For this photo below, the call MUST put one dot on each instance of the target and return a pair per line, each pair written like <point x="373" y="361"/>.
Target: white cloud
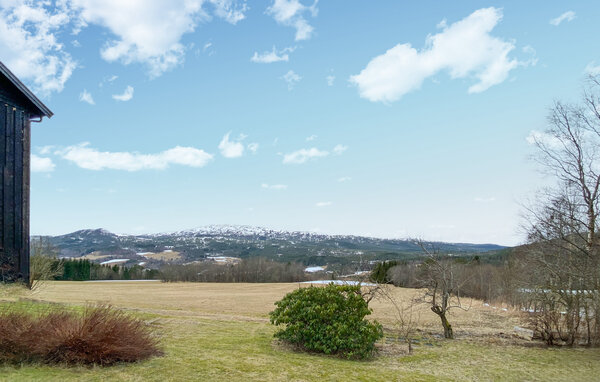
<point x="303" y="155"/>
<point x="277" y="187"/>
<point x="149" y="32"/>
<point x="229" y="10"/>
<point x="344" y="179"/>
<point x="40" y="164"/>
<point x="231" y="149"/>
<point x="592" y="69"/>
<point x="311" y="138"/>
<point x="92" y="159"/>
<point x="126" y="96"/>
<point x="339" y="149"/>
<point x="291" y="78"/>
<point x="45" y="150"/>
<point x="86" y="96"/>
<point x="532" y="61"/>
<point x="108" y="80"/>
<point x="274" y="55"/>
<point x="291" y="13"/>
<point x="464" y="49"/>
<point x="542" y="138"/>
<point x="146" y="32"/>
<point x="485" y="200"/>
<point x="323" y="204"/>
<point x="567" y="16"/>
<point x="253" y="147"/>
<point x="29" y="46"/>
<point x="330" y="80"/>
<point x="208" y="49"/>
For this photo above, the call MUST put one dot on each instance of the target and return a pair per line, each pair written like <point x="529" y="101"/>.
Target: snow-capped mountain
<point x="248" y="241"/>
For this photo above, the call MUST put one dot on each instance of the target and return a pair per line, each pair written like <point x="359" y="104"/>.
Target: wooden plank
<point x="18" y="179"/>
<point x="18" y="121"/>
<point x="9" y="185"/>
<point x="2" y="164"/>
<point x="9" y="262"/>
<point x="25" y="249"/>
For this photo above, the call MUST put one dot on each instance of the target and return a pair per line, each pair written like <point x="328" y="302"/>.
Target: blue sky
<point x="385" y="118"/>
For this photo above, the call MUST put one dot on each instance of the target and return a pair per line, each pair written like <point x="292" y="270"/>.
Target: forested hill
<point x="245" y="241"/>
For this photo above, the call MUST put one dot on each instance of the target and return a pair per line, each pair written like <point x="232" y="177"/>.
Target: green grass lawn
<point x="215" y="349"/>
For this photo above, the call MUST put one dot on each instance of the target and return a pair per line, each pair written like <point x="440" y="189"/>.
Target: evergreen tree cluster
<point x="380" y="272"/>
<point x="84" y="270"/>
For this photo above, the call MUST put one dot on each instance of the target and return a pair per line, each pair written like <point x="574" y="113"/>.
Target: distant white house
<point x="313" y="269"/>
<point x="224" y="259"/>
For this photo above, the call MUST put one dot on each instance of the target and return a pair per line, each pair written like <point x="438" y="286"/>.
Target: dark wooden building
<point x="18" y="107"/>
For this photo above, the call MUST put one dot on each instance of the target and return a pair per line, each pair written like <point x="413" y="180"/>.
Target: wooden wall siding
<point x="14" y="193"/>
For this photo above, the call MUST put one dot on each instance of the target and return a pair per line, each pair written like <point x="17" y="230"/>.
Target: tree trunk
<point x="448" y="333"/>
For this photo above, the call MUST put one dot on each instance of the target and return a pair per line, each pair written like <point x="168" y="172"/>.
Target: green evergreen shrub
<point x="329" y="320"/>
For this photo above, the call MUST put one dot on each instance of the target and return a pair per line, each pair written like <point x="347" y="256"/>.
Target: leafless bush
<point x="43" y="264"/>
<point x="42" y="268"/>
<point x="405" y="275"/>
<point x="405" y="311"/>
<point x="100" y="335"/>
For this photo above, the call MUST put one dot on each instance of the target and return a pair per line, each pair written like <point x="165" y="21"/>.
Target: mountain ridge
<point x="247" y="241"/>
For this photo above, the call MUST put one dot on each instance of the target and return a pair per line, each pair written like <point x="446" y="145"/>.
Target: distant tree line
<point x="84" y="270"/>
<point x="251" y="270"/>
<point x="492" y="282"/>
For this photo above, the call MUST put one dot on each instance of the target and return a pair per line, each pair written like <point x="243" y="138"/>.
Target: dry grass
<point x="11" y="292"/>
<point x="220" y="332"/>
<point x="100" y="335"/>
<point x="164" y="256"/>
<point x="254" y="301"/>
<point x="231" y="301"/>
<point x="96" y="255"/>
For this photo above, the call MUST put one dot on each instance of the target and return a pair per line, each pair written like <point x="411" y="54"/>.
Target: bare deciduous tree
<point x="562" y="227"/>
<point x="443" y="278"/>
<point x="406" y="315"/>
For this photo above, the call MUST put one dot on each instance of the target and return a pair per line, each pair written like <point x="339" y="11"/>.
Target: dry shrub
<point x="101" y="335"/>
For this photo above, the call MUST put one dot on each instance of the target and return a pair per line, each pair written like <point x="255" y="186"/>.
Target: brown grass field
<point x="96" y="255"/>
<point x="221" y="332"/>
<point x="164" y="256"/>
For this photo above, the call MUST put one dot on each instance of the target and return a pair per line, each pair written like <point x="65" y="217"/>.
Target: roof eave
<point x="45" y="112"/>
